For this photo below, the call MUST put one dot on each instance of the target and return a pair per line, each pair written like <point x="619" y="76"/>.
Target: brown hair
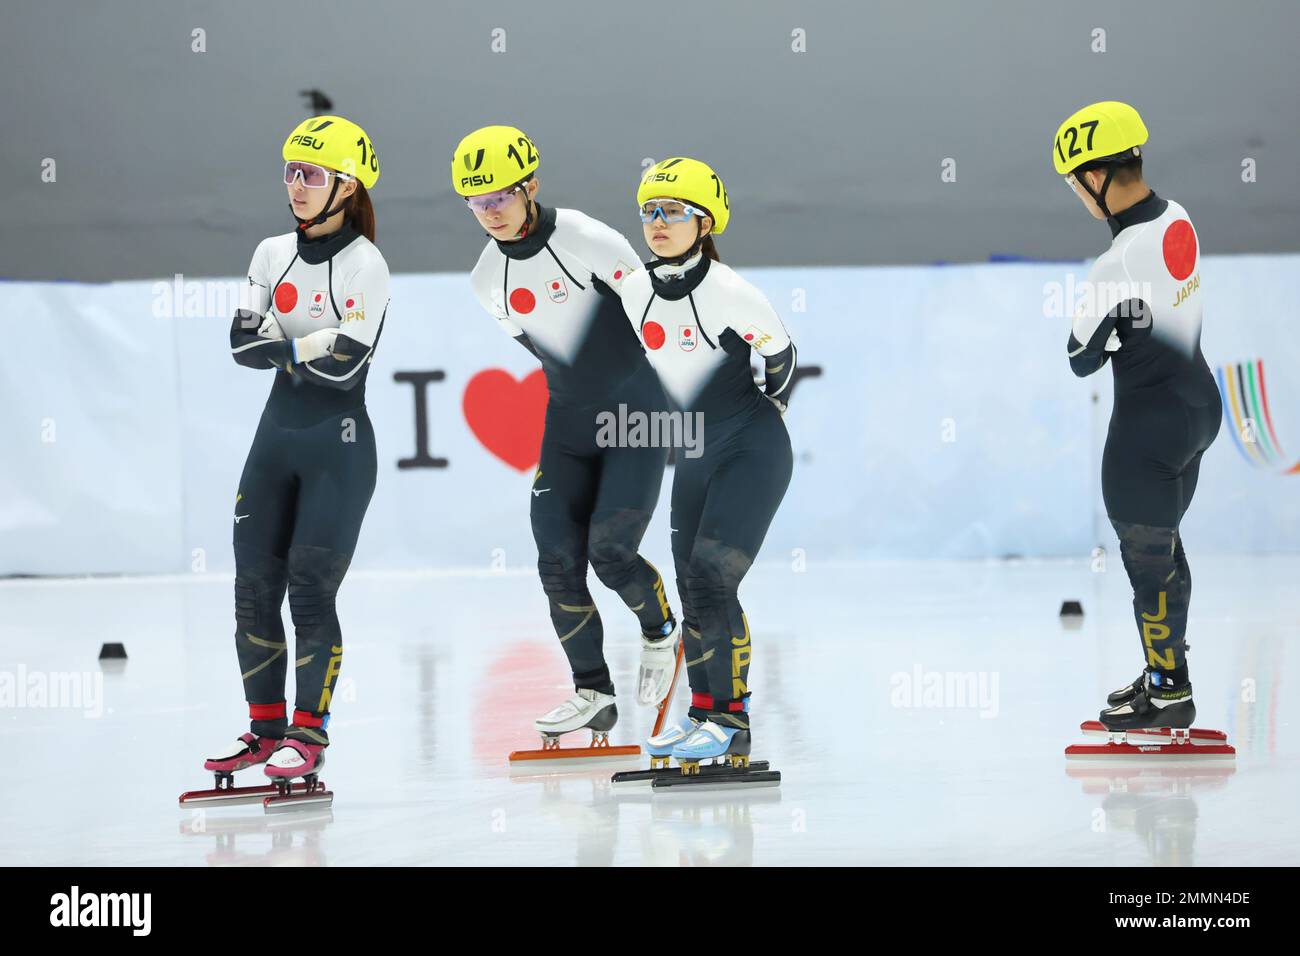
<point x="709" y="249"/>
<point x="360" y="214"/>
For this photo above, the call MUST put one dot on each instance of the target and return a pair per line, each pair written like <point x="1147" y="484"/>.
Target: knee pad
<point x="314" y="578"/>
<point x="562" y="571"/>
<point x="612" y="544"/>
<point x="713" y="574"/>
<point x="1149" y="554"/>
<point x="260" y="580"/>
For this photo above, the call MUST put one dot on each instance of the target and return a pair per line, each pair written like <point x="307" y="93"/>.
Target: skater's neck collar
<point x="1145" y="210"/>
<point x="536" y="240"/>
<point x="315" y="251"/>
<point x="672" y="280"/>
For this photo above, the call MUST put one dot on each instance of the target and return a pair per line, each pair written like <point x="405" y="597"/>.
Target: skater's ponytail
<point x="360" y="214"/>
<point x="709" y="249"/>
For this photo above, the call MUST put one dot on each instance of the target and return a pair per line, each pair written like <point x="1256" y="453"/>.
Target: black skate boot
<point x="1128" y="691"/>
<point x="1157" y="702"/>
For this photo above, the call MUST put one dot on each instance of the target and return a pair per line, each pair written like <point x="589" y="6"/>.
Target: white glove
<point x="314" y="345"/>
<point x="270" y="329"/>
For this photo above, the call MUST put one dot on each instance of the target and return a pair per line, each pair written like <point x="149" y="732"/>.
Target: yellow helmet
<point x="491" y="159"/>
<point x="1107" y="132"/>
<point x="336" y="143"/>
<point x="691" y="181"/>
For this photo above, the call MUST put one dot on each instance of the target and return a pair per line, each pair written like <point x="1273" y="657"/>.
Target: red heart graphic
<point x="506" y="415"/>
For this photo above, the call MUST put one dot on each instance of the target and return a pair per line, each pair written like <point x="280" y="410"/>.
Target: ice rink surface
<point x="918" y="713"/>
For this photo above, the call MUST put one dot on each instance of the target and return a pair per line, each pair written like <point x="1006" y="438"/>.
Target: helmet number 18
<point x="373" y="160"/>
<point x="719" y="191"/>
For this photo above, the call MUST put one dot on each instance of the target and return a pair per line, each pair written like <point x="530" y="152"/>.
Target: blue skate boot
<point x="660" y="746"/>
<point x="711" y="741"/>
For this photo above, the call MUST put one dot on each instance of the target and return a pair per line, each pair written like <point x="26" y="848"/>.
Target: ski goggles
<point x="496" y="200"/>
<point x="669" y="210"/>
<point x="312" y="176"/>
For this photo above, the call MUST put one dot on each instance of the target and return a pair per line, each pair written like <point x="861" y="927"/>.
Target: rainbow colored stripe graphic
<point x="1245" y="403"/>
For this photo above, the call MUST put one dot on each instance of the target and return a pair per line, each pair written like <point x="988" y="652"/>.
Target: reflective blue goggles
<point x="669" y="210"/>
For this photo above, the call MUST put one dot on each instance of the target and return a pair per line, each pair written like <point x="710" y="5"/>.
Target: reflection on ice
<point x="443" y="676"/>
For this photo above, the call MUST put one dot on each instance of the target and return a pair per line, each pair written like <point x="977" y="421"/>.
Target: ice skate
<point x="292" y="759"/>
<point x="1152" y="723"/>
<point x="585" y="710"/>
<point x="247" y="750"/>
<point x="665" y="703"/>
<point x="660" y="748"/>
<point x="657" y="673"/>
<point x="1151" y="706"/>
<point x="709" y="741"/>
<point x="728" y="750"/>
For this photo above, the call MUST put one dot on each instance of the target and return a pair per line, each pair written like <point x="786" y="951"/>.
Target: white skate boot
<point x="654" y="678"/>
<point x="589" y="709"/>
<point x="585" y="710"/>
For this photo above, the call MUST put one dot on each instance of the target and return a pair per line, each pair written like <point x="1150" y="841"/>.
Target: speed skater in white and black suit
<point x="312" y="311"/>
<point x="700" y="323"/>
<point x="1142" y="312"/>
<point x="552" y="279"/>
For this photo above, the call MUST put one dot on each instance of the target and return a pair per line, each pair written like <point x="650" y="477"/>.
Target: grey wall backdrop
<point x="168" y="160"/>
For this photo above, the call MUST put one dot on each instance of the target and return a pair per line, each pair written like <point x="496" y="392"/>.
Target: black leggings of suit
<point x="302" y="497"/>
<point x="591" y="504"/>
<point x="1149" y="471"/>
<point x="723" y="504"/>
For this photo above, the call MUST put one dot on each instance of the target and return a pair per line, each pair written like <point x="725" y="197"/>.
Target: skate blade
<point x="727" y="779"/>
<point x="319" y="798"/>
<point x="1197" y="736"/>
<point x="227" y="796"/>
<point x="576" y="753"/>
<point x="662" y="706"/>
<point x="560" y="759"/>
<point x="632" y="778"/>
<point x="1158" y="753"/>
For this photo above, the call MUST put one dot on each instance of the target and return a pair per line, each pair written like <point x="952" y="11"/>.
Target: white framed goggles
<point x="669" y="210"/>
<point x="312" y="176"/>
<point x="496" y="200"/>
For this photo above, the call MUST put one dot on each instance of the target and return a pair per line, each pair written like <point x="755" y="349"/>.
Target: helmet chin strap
<point x="326" y="212"/>
<point x="529" y="218"/>
<point x="1098" y="197"/>
<point x="700" y="236"/>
